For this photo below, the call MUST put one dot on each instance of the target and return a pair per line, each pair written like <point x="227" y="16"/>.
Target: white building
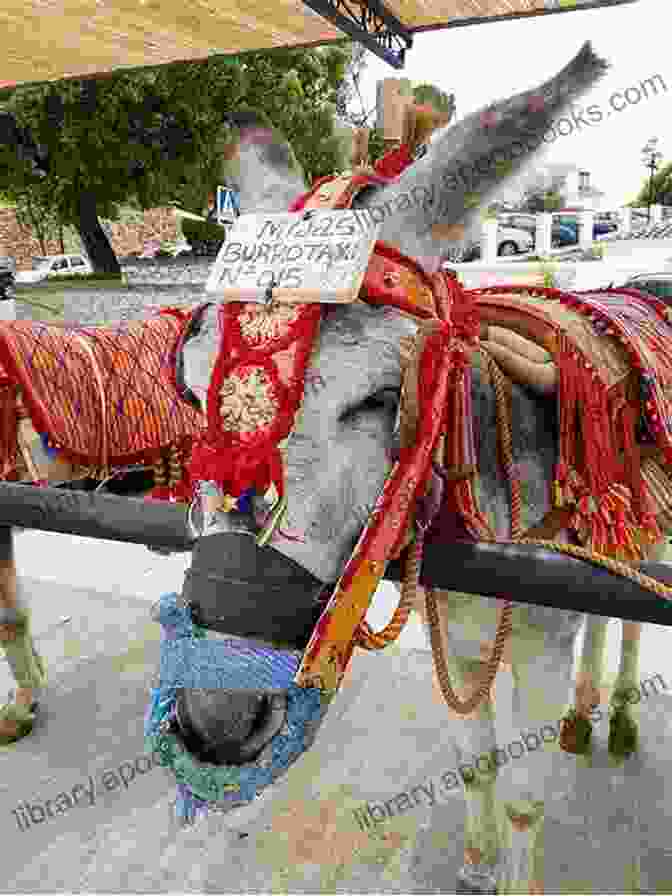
<point x="574" y="184"/>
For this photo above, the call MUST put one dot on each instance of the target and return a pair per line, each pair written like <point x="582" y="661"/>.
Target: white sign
<point x="227" y="205"/>
<point x="309" y="256"/>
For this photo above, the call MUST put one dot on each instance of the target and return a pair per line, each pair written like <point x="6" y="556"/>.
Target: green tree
<point x="95" y="143"/>
<point x="431" y="95"/>
<point x="149" y="135"/>
<point x="658" y="191"/>
<point x="541" y="200"/>
<point x="34" y="211"/>
<point x="298" y="92"/>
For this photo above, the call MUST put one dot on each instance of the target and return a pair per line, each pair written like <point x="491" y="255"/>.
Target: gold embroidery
<point x="228" y="503"/>
<point x="247" y="402"/>
<point x="419" y="295"/>
<point x="260" y="325"/>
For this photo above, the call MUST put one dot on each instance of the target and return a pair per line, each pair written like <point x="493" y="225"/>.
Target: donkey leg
<point x="476" y="743"/>
<point x="590" y="683"/>
<point x="623" y="729"/>
<point x="475" y="740"/>
<point x="590" y="688"/>
<point x="542" y="674"/>
<point x="28" y="669"/>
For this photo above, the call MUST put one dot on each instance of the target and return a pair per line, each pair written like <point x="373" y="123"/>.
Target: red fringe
<point x="613" y="513"/>
<point x="9" y="421"/>
<point x="159" y="493"/>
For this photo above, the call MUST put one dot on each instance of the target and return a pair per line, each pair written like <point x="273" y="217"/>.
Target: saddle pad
<point x="103" y="396"/>
<point x="608" y="356"/>
<point x="612" y="352"/>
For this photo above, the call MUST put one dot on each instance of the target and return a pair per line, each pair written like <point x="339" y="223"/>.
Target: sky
<point x="485" y="63"/>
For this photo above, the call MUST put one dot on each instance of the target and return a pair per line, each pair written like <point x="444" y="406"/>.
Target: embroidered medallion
<point x="262" y="325"/>
<point x="247" y="401"/>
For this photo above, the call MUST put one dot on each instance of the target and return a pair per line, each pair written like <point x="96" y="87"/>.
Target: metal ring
<point x="268" y="295"/>
<point x="8" y="615"/>
<point x="190" y="521"/>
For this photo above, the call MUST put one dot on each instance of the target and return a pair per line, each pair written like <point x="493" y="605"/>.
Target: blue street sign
<point x="228" y="204"/>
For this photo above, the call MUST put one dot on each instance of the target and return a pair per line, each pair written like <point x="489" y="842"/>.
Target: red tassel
<point x="159" y="493"/>
<point x="9" y="421"/>
<point x="633" y="457"/>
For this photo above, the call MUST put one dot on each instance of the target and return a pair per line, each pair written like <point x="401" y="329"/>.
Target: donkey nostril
<point x="228" y="727"/>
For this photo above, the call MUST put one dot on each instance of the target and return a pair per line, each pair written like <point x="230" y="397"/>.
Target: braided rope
<point x="175" y="469"/>
<point x="616" y="566"/>
<point x="504" y="432"/>
<point x="504" y="624"/>
<point x="160" y="473"/>
<point x="365" y="636"/>
<point x="504" y="628"/>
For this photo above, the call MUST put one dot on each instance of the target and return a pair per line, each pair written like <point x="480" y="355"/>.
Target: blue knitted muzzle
<point x="190" y="660"/>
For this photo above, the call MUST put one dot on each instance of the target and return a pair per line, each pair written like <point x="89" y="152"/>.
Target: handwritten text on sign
<point x="324" y="251"/>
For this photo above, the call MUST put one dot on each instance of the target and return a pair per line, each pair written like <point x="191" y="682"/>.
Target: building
<point x="574" y="185"/>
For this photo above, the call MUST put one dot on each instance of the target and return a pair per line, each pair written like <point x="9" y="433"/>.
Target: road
<point x="385" y="733"/>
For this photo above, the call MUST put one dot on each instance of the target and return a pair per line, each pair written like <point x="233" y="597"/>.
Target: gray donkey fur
<point x="339" y="454"/>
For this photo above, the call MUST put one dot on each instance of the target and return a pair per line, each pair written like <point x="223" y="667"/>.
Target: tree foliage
<point x="541" y="200"/>
<point x="147" y="136"/>
<point x="298" y="91"/>
<point x="35" y="210"/>
<point x="657" y="192"/>
<point x="431" y="95"/>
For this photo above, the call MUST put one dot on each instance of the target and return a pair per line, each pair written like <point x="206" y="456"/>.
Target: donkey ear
<point x="360" y="147"/>
<point x="410" y="125"/>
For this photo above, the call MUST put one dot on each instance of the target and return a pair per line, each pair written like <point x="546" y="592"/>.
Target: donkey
<point x="340" y="454"/>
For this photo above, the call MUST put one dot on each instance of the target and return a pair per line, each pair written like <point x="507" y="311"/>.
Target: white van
<point x="54" y="266"/>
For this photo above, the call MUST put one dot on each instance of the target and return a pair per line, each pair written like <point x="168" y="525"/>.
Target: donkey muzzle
<point x="237" y="588"/>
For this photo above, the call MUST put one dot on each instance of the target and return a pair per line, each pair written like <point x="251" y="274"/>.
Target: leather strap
<point x="552" y="523"/>
<point x="329" y="194"/>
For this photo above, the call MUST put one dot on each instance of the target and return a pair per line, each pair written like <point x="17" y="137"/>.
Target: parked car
<point x="601" y="227"/>
<point x="561" y="235"/>
<point x="181" y="248"/>
<point x="510" y="241"/>
<point x="54" y="266"/>
<point x="521" y="220"/>
<point x="659" y="285"/>
<point x="7" y="272"/>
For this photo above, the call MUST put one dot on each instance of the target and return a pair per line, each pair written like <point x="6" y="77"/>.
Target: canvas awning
<point x="46" y="40"/>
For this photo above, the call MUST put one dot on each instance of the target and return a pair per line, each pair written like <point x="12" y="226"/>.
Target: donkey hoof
<point x="476" y="879"/>
<point x="623" y="734"/>
<point x="575" y="734"/>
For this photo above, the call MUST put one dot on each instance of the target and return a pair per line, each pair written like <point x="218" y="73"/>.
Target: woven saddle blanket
<point x="102" y="397"/>
<point x="613" y="354"/>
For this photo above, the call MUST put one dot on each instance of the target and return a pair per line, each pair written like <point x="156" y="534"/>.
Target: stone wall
<point x="126" y="237"/>
<point x="155" y="224"/>
<point x="19" y="242"/>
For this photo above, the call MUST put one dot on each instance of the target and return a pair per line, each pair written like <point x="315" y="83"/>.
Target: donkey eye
<point x="382" y="400"/>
